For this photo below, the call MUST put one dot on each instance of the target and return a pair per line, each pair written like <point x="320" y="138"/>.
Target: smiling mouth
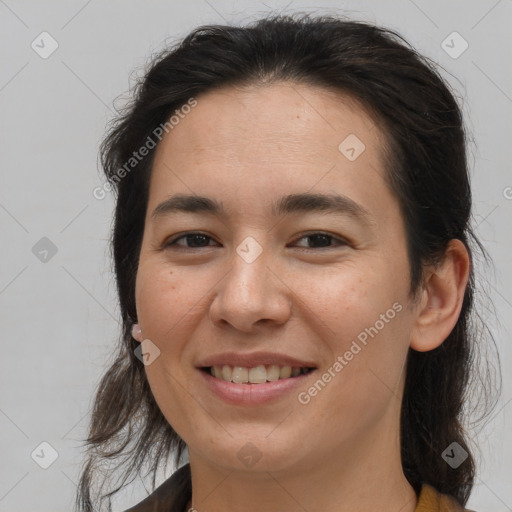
<point x="255" y="375"/>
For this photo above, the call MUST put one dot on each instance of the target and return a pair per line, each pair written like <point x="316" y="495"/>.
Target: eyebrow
<point x="289" y="204"/>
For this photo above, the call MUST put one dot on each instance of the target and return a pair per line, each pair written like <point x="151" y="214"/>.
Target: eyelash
<point x="172" y="243"/>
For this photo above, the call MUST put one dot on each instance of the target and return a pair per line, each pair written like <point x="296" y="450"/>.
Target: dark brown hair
<point x="426" y="170"/>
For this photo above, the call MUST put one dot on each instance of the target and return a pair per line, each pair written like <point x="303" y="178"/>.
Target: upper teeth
<point x="256" y="375"/>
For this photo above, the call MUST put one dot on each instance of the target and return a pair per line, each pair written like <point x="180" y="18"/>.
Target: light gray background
<point x="59" y="319"/>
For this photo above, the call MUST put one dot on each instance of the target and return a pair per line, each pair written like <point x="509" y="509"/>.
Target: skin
<point x="247" y="147"/>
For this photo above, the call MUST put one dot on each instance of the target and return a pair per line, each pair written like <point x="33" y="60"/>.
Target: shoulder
<point x="430" y="500"/>
<point x="172" y="496"/>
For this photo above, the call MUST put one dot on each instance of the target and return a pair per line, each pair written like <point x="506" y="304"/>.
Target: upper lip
<point x="253" y="359"/>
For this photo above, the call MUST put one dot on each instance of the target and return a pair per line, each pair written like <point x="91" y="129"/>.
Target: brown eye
<point x="194" y="241"/>
<point x="197" y="240"/>
<point x="322" y="240"/>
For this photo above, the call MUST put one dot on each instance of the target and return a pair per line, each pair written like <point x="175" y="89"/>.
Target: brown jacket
<point x="174" y="494"/>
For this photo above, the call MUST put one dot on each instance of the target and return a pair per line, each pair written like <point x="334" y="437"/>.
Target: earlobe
<point x="442" y="297"/>
<point x="137" y="332"/>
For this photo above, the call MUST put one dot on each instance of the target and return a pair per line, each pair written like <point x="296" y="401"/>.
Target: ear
<point x="441" y="300"/>
<point x="137" y="332"/>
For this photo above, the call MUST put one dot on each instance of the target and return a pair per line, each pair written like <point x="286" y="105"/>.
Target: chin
<point x="257" y="452"/>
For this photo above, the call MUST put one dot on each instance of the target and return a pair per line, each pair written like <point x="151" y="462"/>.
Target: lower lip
<point x="252" y="394"/>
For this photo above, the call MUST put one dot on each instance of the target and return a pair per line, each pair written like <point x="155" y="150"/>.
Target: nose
<point x="252" y="294"/>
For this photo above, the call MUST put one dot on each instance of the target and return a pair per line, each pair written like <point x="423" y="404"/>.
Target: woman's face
<point x="275" y="280"/>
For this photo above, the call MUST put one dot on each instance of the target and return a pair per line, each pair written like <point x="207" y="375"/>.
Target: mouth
<point x="260" y="374"/>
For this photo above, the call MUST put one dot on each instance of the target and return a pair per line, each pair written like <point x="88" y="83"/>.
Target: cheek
<point x="349" y="299"/>
<point x="366" y="362"/>
<point x="165" y="308"/>
<point x="162" y="300"/>
<point x="364" y="318"/>
<point x="171" y="307"/>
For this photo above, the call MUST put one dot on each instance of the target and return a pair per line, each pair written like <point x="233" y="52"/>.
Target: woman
<point x="293" y="257"/>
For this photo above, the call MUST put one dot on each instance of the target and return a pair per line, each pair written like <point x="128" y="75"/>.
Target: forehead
<point x="254" y="140"/>
<point x="256" y="119"/>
